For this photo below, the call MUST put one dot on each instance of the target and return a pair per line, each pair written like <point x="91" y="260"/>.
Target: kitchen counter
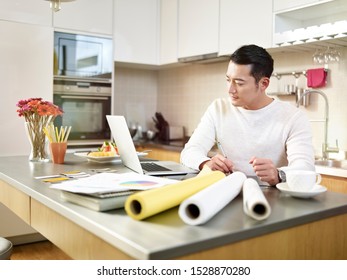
<point x="173" y="145"/>
<point x="331" y="171"/>
<point x="87" y="234"/>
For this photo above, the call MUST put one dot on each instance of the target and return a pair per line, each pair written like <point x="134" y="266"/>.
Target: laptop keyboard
<point x="151" y="166"/>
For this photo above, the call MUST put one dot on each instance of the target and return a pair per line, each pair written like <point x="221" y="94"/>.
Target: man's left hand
<point x="265" y="170"/>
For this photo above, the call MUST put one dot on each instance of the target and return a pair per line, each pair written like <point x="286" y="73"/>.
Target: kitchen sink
<point x="332" y="163"/>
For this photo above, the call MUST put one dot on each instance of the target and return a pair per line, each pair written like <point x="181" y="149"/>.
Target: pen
<point x="219" y="145"/>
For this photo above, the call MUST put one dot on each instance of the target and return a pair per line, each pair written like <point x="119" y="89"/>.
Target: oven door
<point x="86" y="114"/>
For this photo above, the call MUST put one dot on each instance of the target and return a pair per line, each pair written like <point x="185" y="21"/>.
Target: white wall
<point x="26" y="70"/>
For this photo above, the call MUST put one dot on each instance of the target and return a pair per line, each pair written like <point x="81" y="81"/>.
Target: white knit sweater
<point x="279" y="131"/>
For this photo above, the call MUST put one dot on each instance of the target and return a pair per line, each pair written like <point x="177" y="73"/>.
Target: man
<point x="260" y="136"/>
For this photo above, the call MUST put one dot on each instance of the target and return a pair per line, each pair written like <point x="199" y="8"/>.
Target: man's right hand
<point x="219" y="162"/>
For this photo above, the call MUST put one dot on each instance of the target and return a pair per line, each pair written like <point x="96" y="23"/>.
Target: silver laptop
<point x="130" y="159"/>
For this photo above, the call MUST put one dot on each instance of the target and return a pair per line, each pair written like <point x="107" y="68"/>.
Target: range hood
<point x="203" y="58"/>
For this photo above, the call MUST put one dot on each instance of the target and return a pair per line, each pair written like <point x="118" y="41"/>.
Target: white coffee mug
<point x="302" y="180"/>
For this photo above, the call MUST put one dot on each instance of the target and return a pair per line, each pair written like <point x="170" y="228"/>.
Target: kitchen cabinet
<point x="136" y="31"/>
<point x="335" y="184"/>
<point x="279" y="5"/>
<point x="316" y="21"/>
<point x="198" y="25"/>
<point x="17" y="219"/>
<point x="168" y="31"/>
<point x="86" y="16"/>
<point x="240" y="25"/>
<point x="18" y="201"/>
<point x="24" y="11"/>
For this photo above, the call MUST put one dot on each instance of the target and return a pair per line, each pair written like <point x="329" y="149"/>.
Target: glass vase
<point x="38" y="141"/>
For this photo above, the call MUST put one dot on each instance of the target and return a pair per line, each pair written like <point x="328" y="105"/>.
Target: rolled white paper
<point x="255" y="204"/>
<point x="202" y="206"/>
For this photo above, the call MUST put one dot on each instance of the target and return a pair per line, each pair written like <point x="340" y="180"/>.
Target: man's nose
<point x="231" y="88"/>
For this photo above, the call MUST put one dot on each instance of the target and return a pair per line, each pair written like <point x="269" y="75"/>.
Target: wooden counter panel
<point x="17" y="201"/>
<point x="75" y="241"/>
<point x="322" y="240"/>
<point x="335" y="184"/>
<point x="161" y="154"/>
<point x="301" y="242"/>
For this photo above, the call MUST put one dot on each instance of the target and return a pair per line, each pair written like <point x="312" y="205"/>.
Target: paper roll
<point x="255" y="204"/>
<point x="202" y="206"/>
<point x="205" y="170"/>
<point x="144" y="204"/>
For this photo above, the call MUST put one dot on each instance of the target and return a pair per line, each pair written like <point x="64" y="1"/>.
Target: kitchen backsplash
<point x="136" y="92"/>
<point x="183" y="93"/>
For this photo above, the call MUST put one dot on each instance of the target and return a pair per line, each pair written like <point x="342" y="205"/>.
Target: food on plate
<point x="102" y="154"/>
<point x="108" y="149"/>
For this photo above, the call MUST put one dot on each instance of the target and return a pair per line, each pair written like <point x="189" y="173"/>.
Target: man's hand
<point x="265" y="170"/>
<point x="218" y="162"/>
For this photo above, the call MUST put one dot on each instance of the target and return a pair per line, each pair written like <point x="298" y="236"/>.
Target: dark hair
<point x="258" y="57"/>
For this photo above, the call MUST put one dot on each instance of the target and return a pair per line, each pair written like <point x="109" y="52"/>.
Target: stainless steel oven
<point x="79" y="55"/>
<point x="85" y="102"/>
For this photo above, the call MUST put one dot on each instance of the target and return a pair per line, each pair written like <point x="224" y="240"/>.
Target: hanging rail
<point x="296" y="74"/>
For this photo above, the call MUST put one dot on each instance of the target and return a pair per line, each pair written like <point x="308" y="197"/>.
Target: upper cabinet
<point x="281" y="5"/>
<point x="311" y="21"/>
<point x="136" y="31"/>
<point x="198" y="25"/>
<point x="86" y="16"/>
<point x="168" y="31"/>
<point x="240" y="25"/>
<point x="24" y="11"/>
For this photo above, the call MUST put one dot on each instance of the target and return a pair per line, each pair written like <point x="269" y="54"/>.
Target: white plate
<point x="105" y="158"/>
<point x="283" y="187"/>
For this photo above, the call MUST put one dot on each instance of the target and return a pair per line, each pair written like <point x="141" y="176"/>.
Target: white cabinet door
<point x="136" y="31"/>
<point x="280" y="5"/>
<point x="35" y="12"/>
<point x="240" y="25"/>
<point x="198" y="24"/>
<point x="168" y="31"/>
<point x="88" y="16"/>
<point x="26" y="70"/>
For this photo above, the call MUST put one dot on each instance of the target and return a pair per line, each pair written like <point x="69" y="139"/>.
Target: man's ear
<point x="264" y="82"/>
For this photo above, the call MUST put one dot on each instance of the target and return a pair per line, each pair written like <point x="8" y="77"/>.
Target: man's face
<point x="242" y="87"/>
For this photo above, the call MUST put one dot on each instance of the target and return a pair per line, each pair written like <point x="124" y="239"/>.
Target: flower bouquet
<point x="38" y="114"/>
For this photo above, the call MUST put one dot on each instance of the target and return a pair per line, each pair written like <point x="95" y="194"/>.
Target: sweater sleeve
<point x="299" y="148"/>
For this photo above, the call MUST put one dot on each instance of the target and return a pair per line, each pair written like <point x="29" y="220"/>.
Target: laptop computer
<point x="127" y="152"/>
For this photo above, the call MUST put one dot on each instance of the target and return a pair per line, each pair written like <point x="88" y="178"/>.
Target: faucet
<point x="325" y="147"/>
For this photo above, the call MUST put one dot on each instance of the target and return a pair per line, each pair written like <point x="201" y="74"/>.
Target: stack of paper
<point x="106" y="191"/>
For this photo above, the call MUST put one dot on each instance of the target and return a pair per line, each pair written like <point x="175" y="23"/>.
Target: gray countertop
<point x="165" y="236"/>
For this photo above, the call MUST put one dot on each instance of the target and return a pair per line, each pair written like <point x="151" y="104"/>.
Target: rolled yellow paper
<point x="205" y="170"/>
<point x="144" y="204"/>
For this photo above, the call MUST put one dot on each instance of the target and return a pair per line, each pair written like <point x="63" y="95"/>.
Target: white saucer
<point x="283" y="187"/>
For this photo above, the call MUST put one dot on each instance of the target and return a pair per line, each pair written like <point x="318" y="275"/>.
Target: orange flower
<point x="34" y="107"/>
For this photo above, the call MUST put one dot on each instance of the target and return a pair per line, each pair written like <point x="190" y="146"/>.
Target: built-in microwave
<point x="77" y="55"/>
<point x="85" y="103"/>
